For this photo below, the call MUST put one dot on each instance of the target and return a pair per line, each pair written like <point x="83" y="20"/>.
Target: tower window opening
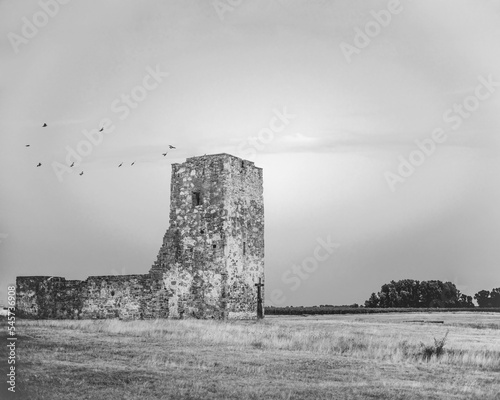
<point x="202" y="231"/>
<point x="196" y="197"/>
<point x="214" y="246"/>
<point x="244" y="248"/>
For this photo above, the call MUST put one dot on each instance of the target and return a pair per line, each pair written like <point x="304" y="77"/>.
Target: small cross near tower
<point x="260" y="308"/>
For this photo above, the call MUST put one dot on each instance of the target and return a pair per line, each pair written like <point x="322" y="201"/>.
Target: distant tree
<point x="382" y="302"/>
<point x="465" y="301"/>
<point x="483" y="298"/>
<point x="429" y="294"/>
<point x="394" y="297"/>
<point x="495" y="297"/>
<point x="449" y="295"/>
<point x="373" y="301"/>
<point x="408" y="290"/>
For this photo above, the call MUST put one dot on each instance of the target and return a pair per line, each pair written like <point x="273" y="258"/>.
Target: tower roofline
<point x="218" y="155"/>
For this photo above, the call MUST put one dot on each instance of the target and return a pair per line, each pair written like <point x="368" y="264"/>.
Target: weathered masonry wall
<point x="211" y="257"/>
<point x="125" y="297"/>
<point x="48" y="297"/>
<point x="245" y="236"/>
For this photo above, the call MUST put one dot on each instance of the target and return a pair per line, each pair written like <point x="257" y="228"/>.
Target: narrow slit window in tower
<point x="244" y="248"/>
<point x="196" y="196"/>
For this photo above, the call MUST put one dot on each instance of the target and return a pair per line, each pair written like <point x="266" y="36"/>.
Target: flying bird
<point x="73" y="163"/>
<point x="44" y="125"/>
<point x="164" y="154"/>
<point x="120" y="165"/>
<point x="100" y="130"/>
<point x="81" y="173"/>
<point x="39" y="165"/>
<point x="132" y="163"/>
<point x="27" y="145"/>
<point x="171" y="147"/>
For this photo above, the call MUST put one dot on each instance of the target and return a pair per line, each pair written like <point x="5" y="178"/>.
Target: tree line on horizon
<point x="410" y="293"/>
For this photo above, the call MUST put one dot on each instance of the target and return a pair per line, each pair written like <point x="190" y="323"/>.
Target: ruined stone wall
<point x="48" y="297"/>
<point x="124" y="296"/>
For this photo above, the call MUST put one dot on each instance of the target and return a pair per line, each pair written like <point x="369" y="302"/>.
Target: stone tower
<point x="213" y="251"/>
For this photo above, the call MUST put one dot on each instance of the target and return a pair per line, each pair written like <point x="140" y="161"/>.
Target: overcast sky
<point x="352" y="88"/>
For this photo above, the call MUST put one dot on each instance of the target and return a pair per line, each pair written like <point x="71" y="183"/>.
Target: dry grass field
<point x="388" y="356"/>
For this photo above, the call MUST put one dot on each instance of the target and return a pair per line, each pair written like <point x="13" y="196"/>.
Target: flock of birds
<point x="100" y="130"/>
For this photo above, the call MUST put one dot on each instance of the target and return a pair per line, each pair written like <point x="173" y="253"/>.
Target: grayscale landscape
<point x="250" y="199"/>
